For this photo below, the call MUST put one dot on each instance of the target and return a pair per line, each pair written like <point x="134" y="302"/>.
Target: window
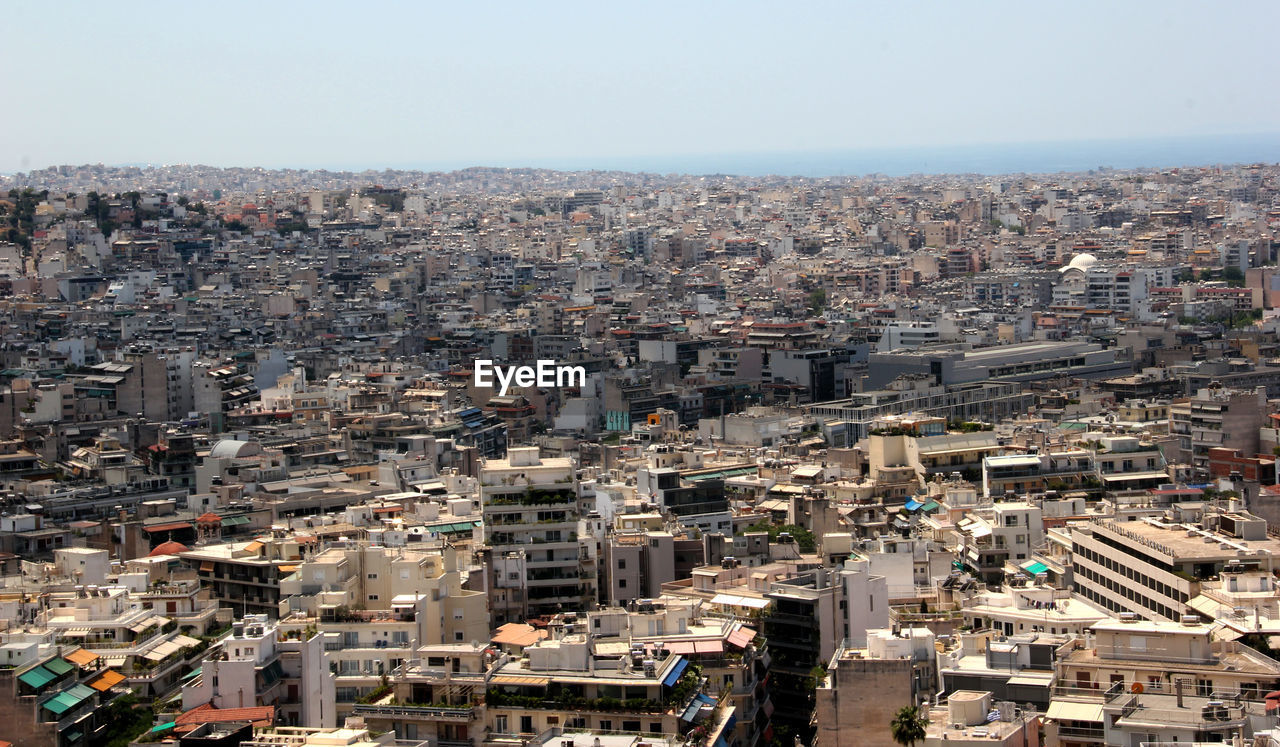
<point x="526" y="724"/>
<point x="373" y="597"/>
<point x="622" y="583"/>
<point x="622" y="564"/>
<point x="457" y="636"/>
<point x="500" y="724"/>
<point x="372" y="576"/>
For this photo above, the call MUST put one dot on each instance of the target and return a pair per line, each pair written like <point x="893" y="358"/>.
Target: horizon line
<point x="578" y="164"/>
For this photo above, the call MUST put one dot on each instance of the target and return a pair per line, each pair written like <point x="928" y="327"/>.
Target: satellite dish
<point x="475" y="644"/>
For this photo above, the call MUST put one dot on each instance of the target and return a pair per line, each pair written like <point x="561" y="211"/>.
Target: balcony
<point x="458" y="714"/>
<point x="1085" y="733"/>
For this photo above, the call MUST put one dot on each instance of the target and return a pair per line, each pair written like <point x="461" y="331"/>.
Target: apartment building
<point x="543" y="546"/>
<point x="258" y="664"/>
<point x="1133" y="679"/>
<point x="1222" y="419"/>
<point x="865" y="686"/>
<point x="374" y="607"/>
<point x="1154" y="566"/>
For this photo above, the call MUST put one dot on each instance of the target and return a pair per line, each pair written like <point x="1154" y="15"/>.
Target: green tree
<point x="1234" y="277"/>
<point x="817" y="300"/>
<point x="908" y="726"/>
<point x="128" y="720"/>
<point x="803" y="537"/>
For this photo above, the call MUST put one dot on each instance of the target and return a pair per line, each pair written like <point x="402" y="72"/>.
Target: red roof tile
<point x="204" y="714"/>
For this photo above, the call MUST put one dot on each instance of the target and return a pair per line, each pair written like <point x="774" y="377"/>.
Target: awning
<point x="142" y="625"/>
<point x="183" y="641"/>
<point x="1061" y="710"/>
<point x="679" y="647"/>
<point x="1036" y="568"/>
<point x="36" y="677"/>
<point x="81" y="657"/>
<point x="1032" y="680"/>
<point x="65" y="701"/>
<point x="192" y="674"/>
<point x="733" y="600"/>
<point x="60" y="703"/>
<point x="172" y="526"/>
<point x="106" y="680"/>
<point x="708" y="647"/>
<point x="74" y="632"/>
<point x="674" y="673"/>
<point x="58" y="666"/>
<point x="741" y="638"/>
<point x="913" y="504"/>
<point x="235" y="521"/>
<point x="207" y="566"/>
<point x="517" y="681"/>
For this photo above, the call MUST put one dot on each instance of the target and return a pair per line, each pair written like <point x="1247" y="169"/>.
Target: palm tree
<point x="908" y="726"/>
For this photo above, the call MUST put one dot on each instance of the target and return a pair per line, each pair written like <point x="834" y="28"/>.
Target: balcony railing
<point x="1081" y="732"/>
<point x="423" y="712"/>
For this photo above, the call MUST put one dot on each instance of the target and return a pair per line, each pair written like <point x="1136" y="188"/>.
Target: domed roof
<point x="209" y="518"/>
<point x="1081" y="262"/>
<point x="168" y="548"/>
<point x="229" y="448"/>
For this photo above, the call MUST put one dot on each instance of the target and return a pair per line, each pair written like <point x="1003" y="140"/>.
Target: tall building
<point x="257" y="665"/>
<point x="543" y="550"/>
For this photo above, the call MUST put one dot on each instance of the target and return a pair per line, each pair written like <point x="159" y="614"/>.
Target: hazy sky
<point x="419" y="84"/>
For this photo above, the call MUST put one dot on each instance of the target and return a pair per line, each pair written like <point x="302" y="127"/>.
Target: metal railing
<point x="433" y="713"/>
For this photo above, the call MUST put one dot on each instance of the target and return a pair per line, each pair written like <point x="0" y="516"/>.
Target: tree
<point x="908" y="726"/>
<point x="804" y="538"/>
<point x="817" y="300"/>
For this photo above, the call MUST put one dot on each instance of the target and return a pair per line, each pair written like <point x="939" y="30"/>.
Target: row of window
<point x="1110" y="603"/>
<point x="1128" y="571"/>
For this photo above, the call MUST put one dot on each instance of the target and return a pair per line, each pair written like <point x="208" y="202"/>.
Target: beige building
<point x="865" y="687"/>
<point x="1154" y="567"/>
<point x="543" y="552"/>
<point x="375" y="606"/>
<point x="965" y="721"/>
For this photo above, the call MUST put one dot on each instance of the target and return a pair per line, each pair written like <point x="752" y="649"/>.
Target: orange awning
<point x="106" y="680"/>
<point x="81" y="657"/>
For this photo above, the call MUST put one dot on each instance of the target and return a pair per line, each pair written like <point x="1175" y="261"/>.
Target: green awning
<point x="82" y="692"/>
<point x="721" y="474"/>
<point x="61" y="703"/>
<point x="235" y="521"/>
<point x="465" y="526"/>
<point x="37" y="678"/>
<point x="163" y="727"/>
<point x="1036" y="568"/>
<point x="58" y="666"/>
<point x="930" y="506"/>
<point x="193" y="673"/>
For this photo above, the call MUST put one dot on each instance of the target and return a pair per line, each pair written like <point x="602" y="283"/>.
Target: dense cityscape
<point x="961" y="460"/>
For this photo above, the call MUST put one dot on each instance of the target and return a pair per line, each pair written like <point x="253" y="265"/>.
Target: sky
<point x="347" y="85"/>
